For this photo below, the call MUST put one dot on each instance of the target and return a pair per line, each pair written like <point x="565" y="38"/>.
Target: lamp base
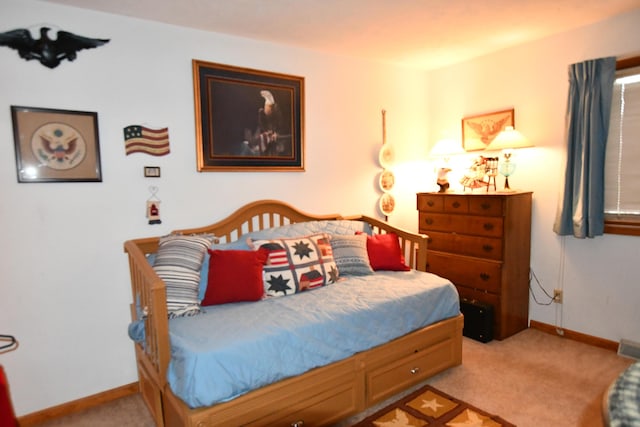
<point x="506" y="188"/>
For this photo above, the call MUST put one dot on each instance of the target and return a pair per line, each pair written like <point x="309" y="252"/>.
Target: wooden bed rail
<point x="149" y="305"/>
<point x="413" y="246"/>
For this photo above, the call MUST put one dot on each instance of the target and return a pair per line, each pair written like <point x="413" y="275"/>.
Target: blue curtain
<point x="581" y="210"/>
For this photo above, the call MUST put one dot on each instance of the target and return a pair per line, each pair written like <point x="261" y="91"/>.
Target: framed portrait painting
<point x="247" y="120"/>
<point x="56" y="145"/>
<point x="479" y="131"/>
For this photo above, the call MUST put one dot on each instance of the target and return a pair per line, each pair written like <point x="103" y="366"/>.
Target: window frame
<point x="628" y="225"/>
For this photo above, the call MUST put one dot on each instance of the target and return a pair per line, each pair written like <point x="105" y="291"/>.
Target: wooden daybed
<point x="321" y="396"/>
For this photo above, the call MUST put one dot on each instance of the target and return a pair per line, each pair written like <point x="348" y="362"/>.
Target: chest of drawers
<point x="482" y="243"/>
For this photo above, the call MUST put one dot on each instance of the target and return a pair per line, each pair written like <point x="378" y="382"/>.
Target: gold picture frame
<point x="480" y="130"/>
<point x="56" y="145"/>
<point x="247" y="120"/>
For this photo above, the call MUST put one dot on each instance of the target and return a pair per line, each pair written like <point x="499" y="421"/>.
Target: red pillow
<point x="234" y="276"/>
<point x="385" y="253"/>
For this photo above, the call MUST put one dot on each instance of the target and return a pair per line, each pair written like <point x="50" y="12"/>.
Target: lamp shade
<point x="509" y="138"/>
<point x="445" y="148"/>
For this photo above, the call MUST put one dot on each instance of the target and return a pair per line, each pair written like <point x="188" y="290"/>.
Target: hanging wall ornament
<point x="387" y="204"/>
<point x="153" y="207"/>
<point x="387" y="179"/>
<point x="50" y="52"/>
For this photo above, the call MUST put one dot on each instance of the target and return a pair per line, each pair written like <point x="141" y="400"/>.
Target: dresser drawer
<point x="456" y="204"/>
<point x="434" y="202"/>
<point x="482" y="247"/>
<point x="322" y="396"/>
<point x="430" y="203"/>
<point x="463" y="224"/>
<point x="324" y="408"/>
<point x="475" y="273"/>
<point x="396" y="376"/>
<point x="478" y="205"/>
<point x="486" y="205"/>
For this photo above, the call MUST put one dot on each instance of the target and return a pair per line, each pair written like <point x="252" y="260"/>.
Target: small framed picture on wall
<point x="56" y="145"/>
<point x="479" y="131"/>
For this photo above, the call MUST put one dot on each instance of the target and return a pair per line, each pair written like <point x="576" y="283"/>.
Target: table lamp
<point x="508" y="140"/>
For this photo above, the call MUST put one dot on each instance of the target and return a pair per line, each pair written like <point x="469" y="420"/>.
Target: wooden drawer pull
<point x="430" y="203"/>
<point x="456" y="204"/>
<point x="485" y="276"/>
<point x="487" y="248"/>
<point x="414" y="370"/>
<point x="485" y="206"/>
<point x="488" y="226"/>
<point x="429" y="221"/>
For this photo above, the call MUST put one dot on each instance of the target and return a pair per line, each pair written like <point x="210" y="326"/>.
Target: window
<point x="622" y="167"/>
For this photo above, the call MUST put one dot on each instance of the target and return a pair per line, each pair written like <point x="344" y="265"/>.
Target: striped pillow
<point x="350" y="253"/>
<point x="178" y="263"/>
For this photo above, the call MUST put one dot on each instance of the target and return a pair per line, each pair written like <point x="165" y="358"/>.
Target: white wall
<point x="599" y="276"/>
<point x="65" y="289"/>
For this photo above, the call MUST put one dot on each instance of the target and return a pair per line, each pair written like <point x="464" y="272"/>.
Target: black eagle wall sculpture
<point x="50" y="52"/>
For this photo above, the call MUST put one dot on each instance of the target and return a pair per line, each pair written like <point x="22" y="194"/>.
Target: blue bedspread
<point x="234" y="348"/>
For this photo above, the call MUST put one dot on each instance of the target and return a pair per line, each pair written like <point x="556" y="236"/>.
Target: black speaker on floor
<point x="478" y="320"/>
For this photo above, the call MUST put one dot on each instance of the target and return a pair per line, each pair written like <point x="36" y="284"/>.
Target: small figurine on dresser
<point x="442" y="179"/>
<point x="474" y="176"/>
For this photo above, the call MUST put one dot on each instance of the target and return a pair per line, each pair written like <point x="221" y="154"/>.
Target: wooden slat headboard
<point x="255" y="216"/>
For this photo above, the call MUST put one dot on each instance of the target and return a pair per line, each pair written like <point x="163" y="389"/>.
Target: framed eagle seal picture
<point x="56" y="145"/>
<point x="479" y="131"/>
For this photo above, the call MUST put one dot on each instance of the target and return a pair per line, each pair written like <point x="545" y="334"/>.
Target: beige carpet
<point x="534" y="379"/>
<point x="531" y="379"/>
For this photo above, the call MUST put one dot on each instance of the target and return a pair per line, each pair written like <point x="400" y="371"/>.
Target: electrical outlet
<point x="557" y="296"/>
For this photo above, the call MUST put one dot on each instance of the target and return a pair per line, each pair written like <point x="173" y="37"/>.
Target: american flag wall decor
<point x="141" y="139"/>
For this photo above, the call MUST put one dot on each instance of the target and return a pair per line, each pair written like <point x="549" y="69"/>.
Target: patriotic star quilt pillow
<point x="297" y="264"/>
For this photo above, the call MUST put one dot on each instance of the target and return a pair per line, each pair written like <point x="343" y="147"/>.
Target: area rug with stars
<point x="431" y="407"/>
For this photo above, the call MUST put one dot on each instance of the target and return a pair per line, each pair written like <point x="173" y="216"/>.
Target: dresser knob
<point x="485" y="276"/>
<point x="485" y="206"/>
<point x="430" y="203"/>
<point x="488" y="226"/>
<point x="487" y="248"/>
<point x="429" y="221"/>
<point x="456" y="204"/>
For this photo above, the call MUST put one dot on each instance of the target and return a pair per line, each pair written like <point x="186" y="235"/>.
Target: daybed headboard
<point x="258" y="215"/>
<point x="264" y="214"/>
